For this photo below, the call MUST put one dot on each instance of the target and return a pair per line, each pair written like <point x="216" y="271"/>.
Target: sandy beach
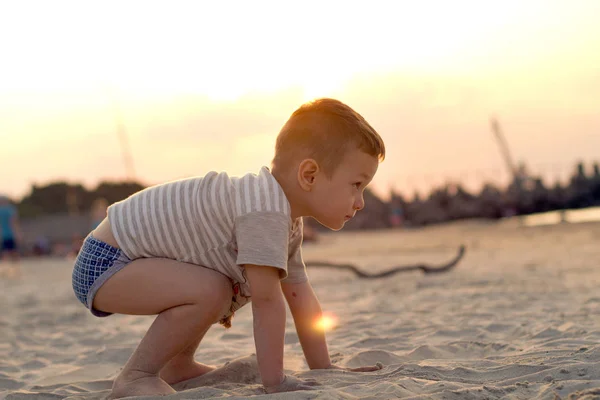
<point x="518" y="318"/>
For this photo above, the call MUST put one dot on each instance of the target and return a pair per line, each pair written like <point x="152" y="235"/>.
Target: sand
<point x="519" y="318"/>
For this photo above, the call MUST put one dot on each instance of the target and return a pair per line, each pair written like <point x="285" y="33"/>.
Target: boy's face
<point x="335" y="201"/>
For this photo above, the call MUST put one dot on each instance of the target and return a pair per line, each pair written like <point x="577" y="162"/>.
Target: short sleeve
<point x="296" y="267"/>
<point x="263" y="239"/>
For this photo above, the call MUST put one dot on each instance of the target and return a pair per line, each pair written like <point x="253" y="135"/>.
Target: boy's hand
<point x="291" y="384"/>
<point x="369" y="368"/>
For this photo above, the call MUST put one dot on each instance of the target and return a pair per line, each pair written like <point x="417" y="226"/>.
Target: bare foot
<point x="175" y="372"/>
<point x="139" y="384"/>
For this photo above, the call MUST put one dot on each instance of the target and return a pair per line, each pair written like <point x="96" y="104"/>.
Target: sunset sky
<point x="206" y="86"/>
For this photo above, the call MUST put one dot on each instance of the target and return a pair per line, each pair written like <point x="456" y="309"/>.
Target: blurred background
<point x="488" y="109"/>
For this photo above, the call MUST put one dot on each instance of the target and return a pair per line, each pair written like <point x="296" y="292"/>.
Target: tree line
<point x="525" y="195"/>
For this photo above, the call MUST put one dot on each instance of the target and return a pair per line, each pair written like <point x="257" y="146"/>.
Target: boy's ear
<point x="307" y="173"/>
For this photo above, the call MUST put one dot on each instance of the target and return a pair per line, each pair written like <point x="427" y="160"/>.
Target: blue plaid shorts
<point x="95" y="264"/>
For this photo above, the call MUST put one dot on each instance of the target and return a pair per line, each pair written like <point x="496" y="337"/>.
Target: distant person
<point x="41" y="246"/>
<point x="10" y="230"/>
<point x="195" y="250"/>
<point x="397" y="216"/>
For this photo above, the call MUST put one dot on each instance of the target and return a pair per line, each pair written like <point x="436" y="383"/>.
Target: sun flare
<point x="326" y="323"/>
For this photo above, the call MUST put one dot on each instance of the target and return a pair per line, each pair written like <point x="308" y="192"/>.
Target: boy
<point x="194" y="251"/>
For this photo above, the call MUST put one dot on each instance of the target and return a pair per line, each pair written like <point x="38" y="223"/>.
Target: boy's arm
<point x="268" y="311"/>
<point x="306" y="310"/>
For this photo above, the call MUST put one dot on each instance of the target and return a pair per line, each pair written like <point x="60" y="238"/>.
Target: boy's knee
<point x="219" y="301"/>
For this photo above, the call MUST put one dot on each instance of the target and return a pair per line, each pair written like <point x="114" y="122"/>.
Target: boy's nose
<point x="359" y="204"/>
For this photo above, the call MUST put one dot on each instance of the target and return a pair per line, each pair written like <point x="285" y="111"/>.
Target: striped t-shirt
<point x="215" y="221"/>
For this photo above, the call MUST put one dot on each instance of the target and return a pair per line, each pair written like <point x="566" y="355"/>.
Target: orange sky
<point x="207" y="87"/>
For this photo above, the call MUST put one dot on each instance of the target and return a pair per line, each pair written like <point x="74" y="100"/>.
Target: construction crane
<point x="518" y="174"/>
<point x="125" y="148"/>
<point x="122" y="135"/>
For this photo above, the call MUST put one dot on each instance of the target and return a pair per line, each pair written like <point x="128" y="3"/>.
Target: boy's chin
<point x="332" y="225"/>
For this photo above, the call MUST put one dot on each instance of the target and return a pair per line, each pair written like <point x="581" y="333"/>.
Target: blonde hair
<point x="325" y="130"/>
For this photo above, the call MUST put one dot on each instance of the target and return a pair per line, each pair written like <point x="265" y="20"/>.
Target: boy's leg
<point x="188" y="299"/>
<point x="183" y="366"/>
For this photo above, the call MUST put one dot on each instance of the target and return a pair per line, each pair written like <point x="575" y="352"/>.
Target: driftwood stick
<point x="428" y="269"/>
